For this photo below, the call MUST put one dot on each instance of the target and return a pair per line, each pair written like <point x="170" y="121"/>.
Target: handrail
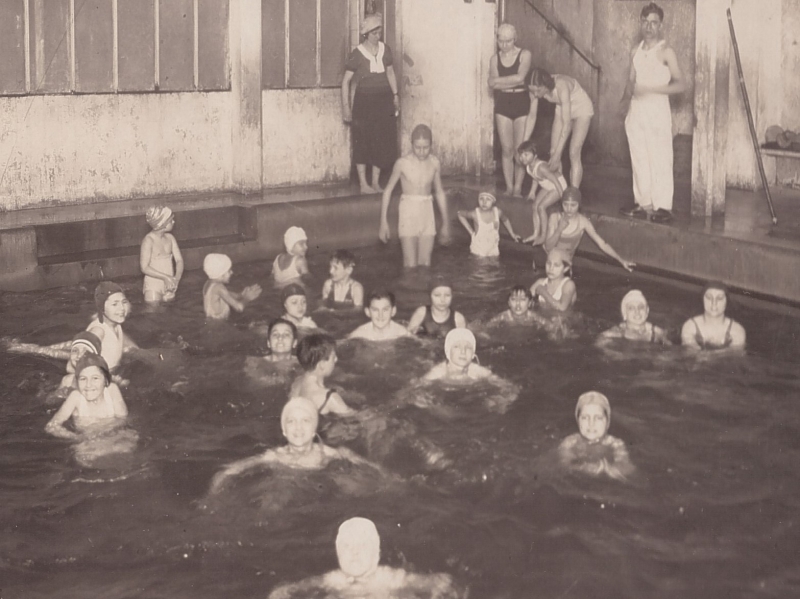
<point x="563" y="36"/>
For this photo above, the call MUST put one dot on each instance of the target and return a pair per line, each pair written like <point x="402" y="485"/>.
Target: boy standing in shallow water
<point x="419" y="172"/>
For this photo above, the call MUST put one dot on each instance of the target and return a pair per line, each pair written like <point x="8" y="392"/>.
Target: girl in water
<point x="556" y="291"/>
<point x="634" y="325"/>
<point x="712" y="329"/>
<point x="160" y="257"/>
<point x="439" y="318"/>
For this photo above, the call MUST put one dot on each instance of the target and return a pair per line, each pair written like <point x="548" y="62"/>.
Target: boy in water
<point x="281" y="340"/>
<point x="519" y="310"/>
<point x="341" y="291"/>
<point x="291" y="264"/>
<point x="593" y="450"/>
<point x="160" y="257"/>
<point x="358" y="550"/>
<point x="419" y="173"/>
<point x="380" y="310"/>
<point x="295" y="304"/>
<point x="317" y="356"/>
<point x="217" y="298"/>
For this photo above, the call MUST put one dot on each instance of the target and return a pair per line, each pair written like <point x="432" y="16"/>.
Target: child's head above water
<point x="526" y="152"/>
<point x="217" y="267"/>
<point x="294" y="300"/>
<point x="486" y="200"/>
<point x="571" y="199"/>
<point x="593" y="413"/>
<point x="159" y="217"/>
<point x="358" y="547"/>
<point x="634" y="307"/>
<point x="316" y="349"/>
<point x="111" y="303"/>
<point x="93" y="361"/>
<point x="299" y="420"/>
<point x="380" y="307"/>
<point x="82" y="343"/>
<point x="459" y="347"/>
<point x="519" y="300"/>
<point x="342" y="264"/>
<point x="441" y="289"/>
<point x="295" y="241"/>
<point x="558" y="263"/>
<point x="281" y="336"/>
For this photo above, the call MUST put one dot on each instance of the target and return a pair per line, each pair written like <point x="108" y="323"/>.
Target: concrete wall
<point x="445" y="47"/>
<point x="69" y="148"/>
<point x="606" y="31"/>
<point x="768" y="34"/>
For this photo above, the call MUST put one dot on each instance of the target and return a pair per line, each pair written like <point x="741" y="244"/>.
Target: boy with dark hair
<point x="341" y="291"/>
<point x="317" y="356"/>
<point x="380" y="309"/>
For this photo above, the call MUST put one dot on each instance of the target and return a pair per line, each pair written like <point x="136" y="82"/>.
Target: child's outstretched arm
<point x="178" y="257"/>
<point x="415" y="322"/>
<point x="60" y="351"/>
<point x="238" y="301"/>
<point x="441" y="200"/>
<point x="464" y="217"/>
<point x="236" y="468"/>
<point x="56" y="425"/>
<point x="603" y="245"/>
<point x="338" y="406"/>
<point x="397" y="170"/>
<point x="507" y="223"/>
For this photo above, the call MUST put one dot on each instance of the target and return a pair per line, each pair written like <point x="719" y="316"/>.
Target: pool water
<point x="711" y="511"/>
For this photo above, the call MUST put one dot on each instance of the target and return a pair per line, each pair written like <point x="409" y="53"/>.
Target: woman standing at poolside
<point x="507" y="71"/>
<point x="565" y="229"/>
<point x="370" y="103"/>
<point x="574" y="113"/>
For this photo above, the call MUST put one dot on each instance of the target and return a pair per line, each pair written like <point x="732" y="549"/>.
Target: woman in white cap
<point x="160" y="257"/>
<point x="371" y="103"/>
<point x="593" y="450"/>
<point x="358" y="550"/>
<point x="291" y="265"/>
<point x="634" y="325"/>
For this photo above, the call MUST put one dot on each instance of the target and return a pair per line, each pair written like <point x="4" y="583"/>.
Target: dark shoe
<point x="661" y="216"/>
<point x="634" y="211"/>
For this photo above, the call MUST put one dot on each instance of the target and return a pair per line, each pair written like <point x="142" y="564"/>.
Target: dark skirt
<point x="374" y="129"/>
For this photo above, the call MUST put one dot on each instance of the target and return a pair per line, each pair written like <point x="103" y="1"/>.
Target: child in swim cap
<point x="634" y="325"/>
<point x="556" y="291"/>
<point x="295" y="305"/>
<point x="593" y="450"/>
<point x="217" y="298"/>
<point x="160" y="257"/>
<point x="291" y="264"/>
<point x="459" y="351"/>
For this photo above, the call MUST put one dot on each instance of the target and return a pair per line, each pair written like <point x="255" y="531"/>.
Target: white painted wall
<point x="304" y="138"/>
<point x="445" y="47"/>
<point x="70" y="148"/>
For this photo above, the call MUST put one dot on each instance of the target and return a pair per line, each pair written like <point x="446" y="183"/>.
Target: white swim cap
<point x="300" y="404"/>
<point x="457" y="335"/>
<point x="216" y="265"/>
<point x="634" y="295"/>
<point x="157" y="216"/>
<point x="292" y="236"/>
<point x="593" y="397"/>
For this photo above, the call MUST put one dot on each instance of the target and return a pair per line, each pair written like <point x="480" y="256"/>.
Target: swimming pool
<point x="710" y="513"/>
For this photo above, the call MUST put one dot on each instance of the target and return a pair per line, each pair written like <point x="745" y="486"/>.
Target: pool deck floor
<point x="741" y="248"/>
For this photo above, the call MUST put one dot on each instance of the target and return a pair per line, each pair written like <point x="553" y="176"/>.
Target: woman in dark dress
<point x="370" y="103"/>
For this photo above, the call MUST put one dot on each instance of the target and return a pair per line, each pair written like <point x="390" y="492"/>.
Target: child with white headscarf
<point x="634" y="325"/>
<point x="593" y="450"/>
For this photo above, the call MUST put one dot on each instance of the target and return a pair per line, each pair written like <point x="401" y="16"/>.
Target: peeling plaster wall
<point x="445" y="47"/>
<point x="67" y="149"/>
<point x="304" y="138"/>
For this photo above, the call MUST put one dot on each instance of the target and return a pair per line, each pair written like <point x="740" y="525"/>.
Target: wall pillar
<point x="245" y="60"/>
<point x="711" y="93"/>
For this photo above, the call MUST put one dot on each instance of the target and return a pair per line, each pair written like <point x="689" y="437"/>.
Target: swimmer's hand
<point x="627" y="265"/>
<point x="529" y="238"/>
<point x="251" y="292"/>
<point x="383" y="232"/>
<point x="517" y="238"/>
<point x="219" y="481"/>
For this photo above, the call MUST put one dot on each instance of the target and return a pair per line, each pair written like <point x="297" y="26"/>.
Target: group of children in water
<point x="91" y="389"/>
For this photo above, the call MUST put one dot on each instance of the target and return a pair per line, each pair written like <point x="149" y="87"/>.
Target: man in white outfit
<point x="654" y="75"/>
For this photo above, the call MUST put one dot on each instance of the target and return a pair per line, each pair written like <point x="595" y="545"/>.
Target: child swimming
<point x="281" y="340"/>
<point x="419" y="173"/>
<point x="160" y="257"/>
<point x="593" y="450"/>
<point x="459" y="351"/>
<point x="380" y="310"/>
<point x="113" y="309"/>
<point x="341" y="291"/>
<point x="295" y="304"/>
<point x="556" y="291"/>
<point x="317" y="356"/>
<point x="438" y="318"/>
<point x="634" y="325"/>
<point x="291" y="264"/>
<point x="96" y="401"/>
<point x="519" y="310"/>
<point x="486" y="219"/>
<point x="217" y="298"/>
<point x="358" y="551"/>
<point x="712" y="329"/>
<point x="552" y="186"/>
<point x="299" y="420"/>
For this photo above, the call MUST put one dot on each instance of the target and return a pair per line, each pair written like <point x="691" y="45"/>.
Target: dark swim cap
<point x="88" y="340"/>
<point x="88" y="360"/>
<point x="105" y="290"/>
<point x="573" y="194"/>
<point x="293" y="289"/>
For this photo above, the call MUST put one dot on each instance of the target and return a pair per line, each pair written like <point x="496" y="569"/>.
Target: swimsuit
<point x="698" y="337"/>
<point x="162" y="263"/>
<point x="569" y="241"/>
<point x="327" y="397"/>
<point x="557" y="294"/>
<point x="486" y="240"/>
<point x="545" y="183"/>
<point x="213" y="305"/>
<point x="416" y="217"/>
<point x="511" y="103"/>
<point x="288" y="273"/>
<point x="649" y="129"/>
<point x="332" y="303"/>
<point x="580" y="104"/>
<point x="437" y="329"/>
<point x="112" y="338"/>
